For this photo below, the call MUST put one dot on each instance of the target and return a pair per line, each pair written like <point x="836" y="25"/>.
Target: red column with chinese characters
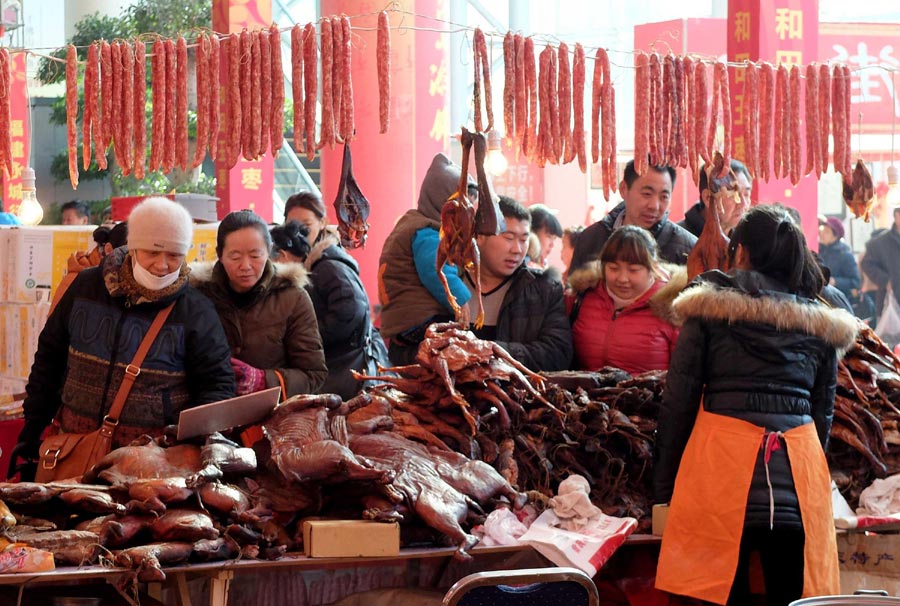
<point x="778" y="31"/>
<point x="249" y="184"/>
<point x="18" y="127"/>
<point x="389" y="167"/>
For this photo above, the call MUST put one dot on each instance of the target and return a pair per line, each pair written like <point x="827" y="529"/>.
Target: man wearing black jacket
<point x="646" y="200"/>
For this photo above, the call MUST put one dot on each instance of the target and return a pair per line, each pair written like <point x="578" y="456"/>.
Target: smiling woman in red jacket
<point x="621" y="312"/>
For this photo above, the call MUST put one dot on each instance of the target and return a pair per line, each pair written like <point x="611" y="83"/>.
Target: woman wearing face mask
<point x="267" y="315"/>
<point x="99" y="321"/>
<point x="341" y="303"/>
<point x="744" y="422"/>
<point x="621" y="315"/>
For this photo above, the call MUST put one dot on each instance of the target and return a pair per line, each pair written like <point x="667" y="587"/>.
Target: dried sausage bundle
<point x="71" y="113"/>
<point x="690" y="119"/>
<point x="578" y="76"/>
<point x="235" y="111"/>
<point x="172" y="112"/>
<point x="555" y="147"/>
<point x="327" y="126"/>
<point x="795" y="124"/>
<point x="607" y="128"/>
<point x="213" y="105"/>
<point x="544" y="145"/>
<point x="700" y="111"/>
<point x="383" y="59"/>
<point x="337" y="45"/>
<point x="348" y="125"/>
<point x="91" y="84"/>
<point x="297" y="85"/>
<point x="95" y="103"/>
<point x="656" y="102"/>
<point x="482" y="70"/>
<point x="812" y="120"/>
<point x="601" y="77"/>
<point x="126" y="110"/>
<point x="567" y="150"/>
<point x="846" y="168"/>
<point x="246" y="89"/>
<point x="116" y="99"/>
<point x="138" y="109"/>
<point x="202" y="73"/>
<point x="781" y="153"/>
<point x="509" y="82"/>
<point x="679" y="120"/>
<point x="310" y="65"/>
<point x="641" y="112"/>
<point x="751" y="96"/>
<point x="158" y="125"/>
<point x="276" y="127"/>
<point x="529" y="141"/>
<point x="255" y="124"/>
<point x="824" y="114"/>
<point x="721" y="71"/>
<point x="265" y="60"/>
<point x="668" y="101"/>
<point x="521" y="114"/>
<point x="766" y="118"/>
<point x="106" y="82"/>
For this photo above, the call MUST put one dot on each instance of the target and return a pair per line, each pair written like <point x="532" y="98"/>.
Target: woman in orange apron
<point x="744" y="421"/>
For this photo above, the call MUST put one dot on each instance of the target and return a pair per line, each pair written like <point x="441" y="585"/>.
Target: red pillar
<point x="779" y="31"/>
<point x="249" y="184"/>
<point x="389" y="167"/>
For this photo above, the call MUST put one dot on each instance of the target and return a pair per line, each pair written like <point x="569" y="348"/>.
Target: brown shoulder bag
<point x="70" y="455"/>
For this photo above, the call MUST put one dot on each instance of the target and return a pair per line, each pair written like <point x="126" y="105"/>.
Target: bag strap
<point x="134" y="369"/>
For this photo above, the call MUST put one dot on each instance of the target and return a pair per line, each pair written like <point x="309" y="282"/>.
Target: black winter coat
<point x="749" y="349"/>
<point x="342" y="311"/>
<point x="880" y="264"/>
<point x="694" y="219"/>
<point x="839" y="259"/>
<point x="674" y="242"/>
<point x="93" y="334"/>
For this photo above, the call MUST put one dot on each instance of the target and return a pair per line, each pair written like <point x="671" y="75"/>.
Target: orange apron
<point x="702" y="538"/>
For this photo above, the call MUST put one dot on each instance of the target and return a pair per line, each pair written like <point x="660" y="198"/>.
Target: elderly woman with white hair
<point x="95" y="330"/>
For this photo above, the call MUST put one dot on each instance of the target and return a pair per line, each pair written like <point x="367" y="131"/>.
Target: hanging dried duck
<point x="351" y="206"/>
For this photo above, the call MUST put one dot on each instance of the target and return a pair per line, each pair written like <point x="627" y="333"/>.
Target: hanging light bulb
<point x="495" y="162"/>
<point x="893" y="194"/>
<point x="30" y="211"/>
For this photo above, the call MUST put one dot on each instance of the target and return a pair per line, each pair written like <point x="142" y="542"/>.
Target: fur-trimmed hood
<point x="732" y="304"/>
<point x="202" y="272"/>
<point x="328" y="239"/>
<point x="591" y="275"/>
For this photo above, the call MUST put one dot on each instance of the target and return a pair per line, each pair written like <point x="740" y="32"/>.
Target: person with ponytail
<point x="744" y="422"/>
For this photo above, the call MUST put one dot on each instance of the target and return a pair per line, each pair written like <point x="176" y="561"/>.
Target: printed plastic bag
<point x="587" y="550"/>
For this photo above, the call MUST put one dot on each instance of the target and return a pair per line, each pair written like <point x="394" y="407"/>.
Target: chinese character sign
<point x="868" y="49"/>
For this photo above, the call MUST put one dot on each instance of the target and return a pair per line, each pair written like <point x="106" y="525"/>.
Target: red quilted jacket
<point x="639" y="338"/>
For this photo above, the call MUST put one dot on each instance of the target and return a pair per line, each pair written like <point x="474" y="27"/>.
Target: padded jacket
<point x="750" y="349"/>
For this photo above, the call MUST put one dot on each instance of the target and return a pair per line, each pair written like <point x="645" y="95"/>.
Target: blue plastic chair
<point x="527" y="587"/>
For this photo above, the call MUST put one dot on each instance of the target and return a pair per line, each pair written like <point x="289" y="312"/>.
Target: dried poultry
<point x="488" y="218"/>
<point x="351" y="206"/>
<point x="711" y="250"/>
<point x="859" y="193"/>
<point x="457" y="238"/>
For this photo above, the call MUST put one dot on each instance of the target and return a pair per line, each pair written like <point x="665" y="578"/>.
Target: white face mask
<point x="151" y="281"/>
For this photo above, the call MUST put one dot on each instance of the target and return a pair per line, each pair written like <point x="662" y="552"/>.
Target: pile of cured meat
<point x="865" y="435"/>
<point x="239" y="114"/>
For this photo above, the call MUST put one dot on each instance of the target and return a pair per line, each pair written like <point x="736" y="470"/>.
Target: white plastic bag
<point x="502" y="527"/>
<point x="888" y="327"/>
<point x="587" y="550"/>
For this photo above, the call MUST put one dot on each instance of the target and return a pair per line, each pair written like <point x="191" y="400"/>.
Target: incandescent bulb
<point x="30" y="210"/>
<point x="495" y="162"/>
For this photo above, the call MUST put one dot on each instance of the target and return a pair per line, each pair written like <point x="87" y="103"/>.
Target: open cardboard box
<point x="350" y="538"/>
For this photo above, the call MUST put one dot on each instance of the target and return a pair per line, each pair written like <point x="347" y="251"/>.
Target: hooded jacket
<point x="409" y="289"/>
<point x="276" y="331"/>
<point x="750" y="349"/>
<point x="636" y="339"/>
<point x="674" y="242"/>
<point x="93" y="334"/>
<point x="342" y="312"/>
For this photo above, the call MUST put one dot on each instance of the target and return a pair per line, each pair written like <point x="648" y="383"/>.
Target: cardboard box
<point x="660" y="516"/>
<point x="204" y="243"/>
<point x="350" y="538"/>
<point x="37" y="259"/>
<point x="199" y="206"/>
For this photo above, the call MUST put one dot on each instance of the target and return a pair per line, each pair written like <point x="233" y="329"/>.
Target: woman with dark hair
<point x="266" y="312"/>
<point x="289" y="242"/>
<point x="744" y="422"/>
<point x="340" y="301"/>
<point x="623" y="300"/>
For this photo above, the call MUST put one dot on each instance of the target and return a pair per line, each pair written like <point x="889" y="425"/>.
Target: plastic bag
<point x="587" y="550"/>
<point x="888" y="327"/>
<point x="502" y="527"/>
